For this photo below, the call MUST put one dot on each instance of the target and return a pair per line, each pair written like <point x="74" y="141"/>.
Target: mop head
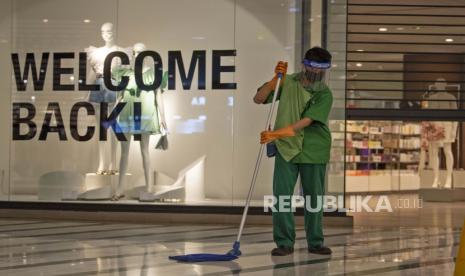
<point x="205" y="257"/>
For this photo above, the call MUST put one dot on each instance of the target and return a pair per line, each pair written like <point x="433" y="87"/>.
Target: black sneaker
<point x="282" y="251"/>
<point x="322" y="250"/>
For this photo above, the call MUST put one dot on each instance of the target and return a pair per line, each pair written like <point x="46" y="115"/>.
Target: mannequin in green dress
<point x="152" y="119"/>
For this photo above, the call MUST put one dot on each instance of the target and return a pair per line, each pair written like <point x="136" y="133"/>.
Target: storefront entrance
<point x="404" y="99"/>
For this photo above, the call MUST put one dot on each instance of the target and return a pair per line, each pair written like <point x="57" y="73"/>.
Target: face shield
<point x="315" y="75"/>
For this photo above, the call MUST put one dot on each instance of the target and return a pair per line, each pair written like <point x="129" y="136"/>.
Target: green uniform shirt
<point x="312" y="144"/>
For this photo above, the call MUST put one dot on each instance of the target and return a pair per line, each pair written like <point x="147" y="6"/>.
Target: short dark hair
<point x="318" y="54"/>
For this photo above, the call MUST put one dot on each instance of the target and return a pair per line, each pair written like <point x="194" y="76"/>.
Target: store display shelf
<point x="404" y="134"/>
<point x="411" y="135"/>
<point x="365" y="148"/>
<point x="363" y="133"/>
<point x="382" y="156"/>
<point x="369" y="162"/>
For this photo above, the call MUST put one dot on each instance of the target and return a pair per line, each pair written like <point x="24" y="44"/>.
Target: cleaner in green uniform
<point x="303" y="143"/>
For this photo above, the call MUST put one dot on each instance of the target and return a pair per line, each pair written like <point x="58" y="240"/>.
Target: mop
<point x="234" y="253"/>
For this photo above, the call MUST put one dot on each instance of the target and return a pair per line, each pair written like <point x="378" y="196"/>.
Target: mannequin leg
<point x="113" y="146"/>
<point x="449" y="164"/>
<point x="123" y="167"/>
<point x="430" y="156"/>
<point x="421" y="164"/>
<point x="144" y="149"/>
<point x="101" y="144"/>
<point x="434" y="160"/>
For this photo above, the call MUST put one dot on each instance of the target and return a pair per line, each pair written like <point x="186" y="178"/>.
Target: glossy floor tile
<point x="95" y="248"/>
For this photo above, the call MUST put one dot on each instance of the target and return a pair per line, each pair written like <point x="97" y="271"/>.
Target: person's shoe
<point x="322" y="250"/>
<point x="282" y="251"/>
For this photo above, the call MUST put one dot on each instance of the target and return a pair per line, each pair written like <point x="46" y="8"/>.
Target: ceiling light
<point x="359" y="65"/>
<point x="86" y="20"/>
<point x="400" y="28"/>
<point x="360" y="50"/>
<point x="45" y="20"/>
<point x="382" y="29"/>
<point x="449" y="40"/>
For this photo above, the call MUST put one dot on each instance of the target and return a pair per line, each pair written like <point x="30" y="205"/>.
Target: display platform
<point x="100" y="187"/>
<point x="427" y="177"/>
<point x="60" y="185"/>
<point x="188" y="186"/>
<point x="442" y="195"/>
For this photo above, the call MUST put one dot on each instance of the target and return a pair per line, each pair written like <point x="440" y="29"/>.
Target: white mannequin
<point x="144" y="143"/>
<point x="421" y="164"/>
<point x="450" y="133"/>
<point x="96" y="57"/>
<point x="424" y="146"/>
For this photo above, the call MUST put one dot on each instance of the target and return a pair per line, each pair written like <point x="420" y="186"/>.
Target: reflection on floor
<point x="89" y="248"/>
<point x="410" y="210"/>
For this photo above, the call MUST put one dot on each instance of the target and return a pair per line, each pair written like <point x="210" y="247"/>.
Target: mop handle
<point x="259" y="161"/>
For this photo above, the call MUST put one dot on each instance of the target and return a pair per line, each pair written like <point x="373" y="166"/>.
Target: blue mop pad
<point x="205" y="257"/>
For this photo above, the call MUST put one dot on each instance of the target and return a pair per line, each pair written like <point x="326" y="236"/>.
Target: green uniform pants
<point x="313" y="183"/>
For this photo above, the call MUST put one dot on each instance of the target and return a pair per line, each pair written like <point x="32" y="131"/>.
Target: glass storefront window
<point x="404" y="97"/>
<point x="194" y="137"/>
<point x="191" y="140"/>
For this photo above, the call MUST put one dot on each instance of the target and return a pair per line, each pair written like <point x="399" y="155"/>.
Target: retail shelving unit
<point x="336" y="163"/>
<point x="382" y="156"/>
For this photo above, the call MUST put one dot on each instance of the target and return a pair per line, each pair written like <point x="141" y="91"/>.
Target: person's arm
<point x="317" y="112"/>
<point x="263" y="93"/>
<point x="265" y="90"/>
<point x="289" y="131"/>
<point x="301" y="124"/>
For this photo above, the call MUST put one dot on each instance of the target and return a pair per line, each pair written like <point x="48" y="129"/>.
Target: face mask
<point x="314" y="74"/>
